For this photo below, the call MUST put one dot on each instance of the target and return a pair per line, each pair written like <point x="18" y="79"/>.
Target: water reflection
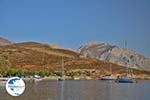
<point x="61" y="93"/>
<point x="81" y="90"/>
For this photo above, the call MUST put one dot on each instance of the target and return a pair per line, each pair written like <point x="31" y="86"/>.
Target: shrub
<point x="71" y="74"/>
<point x="4" y="65"/>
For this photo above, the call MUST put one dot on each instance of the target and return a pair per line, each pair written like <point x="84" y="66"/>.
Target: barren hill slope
<point x="4" y="42"/>
<point x="115" y="54"/>
<point x="37" y="56"/>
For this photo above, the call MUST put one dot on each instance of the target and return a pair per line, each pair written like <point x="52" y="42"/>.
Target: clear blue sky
<point x="71" y="23"/>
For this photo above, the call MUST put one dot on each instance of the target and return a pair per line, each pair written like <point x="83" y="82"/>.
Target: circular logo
<point x="15" y="86"/>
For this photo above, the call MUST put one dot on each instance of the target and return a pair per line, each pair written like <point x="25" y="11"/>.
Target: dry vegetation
<point x="36" y="57"/>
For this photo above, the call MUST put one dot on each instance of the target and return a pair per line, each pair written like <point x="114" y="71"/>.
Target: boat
<point x="37" y="78"/>
<point x="62" y="78"/>
<point x="125" y="79"/>
<point x="88" y="78"/>
<point x="76" y="78"/>
<point x="108" y="77"/>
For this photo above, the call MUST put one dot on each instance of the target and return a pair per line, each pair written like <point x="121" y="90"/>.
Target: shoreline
<point x="135" y="77"/>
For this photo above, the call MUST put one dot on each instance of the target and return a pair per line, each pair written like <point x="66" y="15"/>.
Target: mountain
<point x="33" y="56"/>
<point x="38" y="56"/>
<point x="115" y="54"/>
<point x="4" y="42"/>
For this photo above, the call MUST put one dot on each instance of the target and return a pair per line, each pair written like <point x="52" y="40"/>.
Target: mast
<point x="127" y="59"/>
<point x="110" y="66"/>
<point x="127" y="68"/>
<point x="62" y="65"/>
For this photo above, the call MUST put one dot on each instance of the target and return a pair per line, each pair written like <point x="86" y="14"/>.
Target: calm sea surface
<point x="81" y="90"/>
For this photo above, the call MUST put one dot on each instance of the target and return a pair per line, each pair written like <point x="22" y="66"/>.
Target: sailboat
<point x="62" y="78"/>
<point x="125" y="79"/>
<point x="108" y="77"/>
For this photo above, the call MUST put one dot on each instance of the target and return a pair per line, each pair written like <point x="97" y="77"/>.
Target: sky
<point x="72" y="23"/>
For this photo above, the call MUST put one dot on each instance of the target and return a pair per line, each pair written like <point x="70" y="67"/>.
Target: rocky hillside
<point x="36" y="56"/>
<point x="4" y="42"/>
<point x="115" y="54"/>
<point x="33" y="56"/>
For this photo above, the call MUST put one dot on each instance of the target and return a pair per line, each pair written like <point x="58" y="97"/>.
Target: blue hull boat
<point x="124" y="80"/>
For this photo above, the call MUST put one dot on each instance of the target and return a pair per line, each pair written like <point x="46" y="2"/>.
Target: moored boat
<point x="76" y="78"/>
<point x="62" y="78"/>
<point x="107" y="77"/>
<point x="124" y="80"/>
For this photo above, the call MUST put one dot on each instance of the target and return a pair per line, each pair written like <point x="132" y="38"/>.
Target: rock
<point x="115" y="54"/>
